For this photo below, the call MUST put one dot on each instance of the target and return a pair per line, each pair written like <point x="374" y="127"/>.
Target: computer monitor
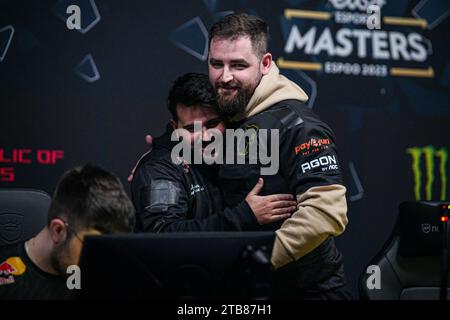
<point x="200" y="265"/>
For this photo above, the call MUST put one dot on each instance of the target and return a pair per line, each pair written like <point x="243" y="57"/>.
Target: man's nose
<point x="227" y="75"/>
<point x="206" y="134"/>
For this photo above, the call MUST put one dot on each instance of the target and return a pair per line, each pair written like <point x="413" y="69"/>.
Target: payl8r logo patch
<point x="312" y="146"/>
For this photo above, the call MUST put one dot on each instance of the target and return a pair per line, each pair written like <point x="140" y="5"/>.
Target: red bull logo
<point x="6" y="269"/>
<point x="12" y="266"/>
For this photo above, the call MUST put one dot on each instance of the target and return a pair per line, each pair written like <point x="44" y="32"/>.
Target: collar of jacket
<point x="272" y="89"/>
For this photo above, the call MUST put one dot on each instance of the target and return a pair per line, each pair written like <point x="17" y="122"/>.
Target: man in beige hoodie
<point x="253" y="94"/>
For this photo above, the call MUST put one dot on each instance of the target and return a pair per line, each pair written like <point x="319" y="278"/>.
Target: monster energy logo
<point x="430" y="154"/>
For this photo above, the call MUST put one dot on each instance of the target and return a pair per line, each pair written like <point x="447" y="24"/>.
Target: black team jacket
<point x="171" y="197"/>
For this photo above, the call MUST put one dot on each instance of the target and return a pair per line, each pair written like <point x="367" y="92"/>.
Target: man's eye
<point x="213" y="124"/>
<point x="240" y="66"/>
<point x="190" y="129"/>
<point x="216" y="65"/>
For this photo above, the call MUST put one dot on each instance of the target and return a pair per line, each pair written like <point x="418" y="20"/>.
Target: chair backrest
<point x="23" y="213"/>
<point x="408" y="269"/>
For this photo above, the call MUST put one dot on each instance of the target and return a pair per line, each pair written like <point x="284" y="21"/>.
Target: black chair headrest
<point x="420" y="228"/>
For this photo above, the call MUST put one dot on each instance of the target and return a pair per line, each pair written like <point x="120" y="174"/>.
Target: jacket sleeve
<point x="164" y="203"/>
<point x="308" y="161"/>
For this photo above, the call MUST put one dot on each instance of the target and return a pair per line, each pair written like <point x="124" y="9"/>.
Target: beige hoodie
<point x="321" y="211"/>
<point x="272" y="89"/>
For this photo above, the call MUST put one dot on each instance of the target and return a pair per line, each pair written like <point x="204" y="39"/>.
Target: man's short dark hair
<point x="237" y="25"/>
<point x="90" y="197"/>
<point x="191" y="89"/>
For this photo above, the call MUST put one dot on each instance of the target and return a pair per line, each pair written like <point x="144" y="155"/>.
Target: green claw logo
<point x="430" y="154"/>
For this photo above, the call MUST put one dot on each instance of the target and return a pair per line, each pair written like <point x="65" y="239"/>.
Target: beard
<point x="59" y="259"/>
<point x="233" y="104"/>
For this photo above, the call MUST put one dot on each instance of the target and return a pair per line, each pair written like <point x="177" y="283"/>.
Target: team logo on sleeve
<point x="312" y="146"/>
<point x="322" y="164"/>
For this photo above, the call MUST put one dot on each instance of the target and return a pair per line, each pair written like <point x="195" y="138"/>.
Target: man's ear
<point x="58" y="231"/>
<point x="173" y="124"/>
<point x="266" y="63"/>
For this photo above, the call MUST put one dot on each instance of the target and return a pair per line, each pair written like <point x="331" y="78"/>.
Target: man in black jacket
<point x="254" y="95"/>
<point x="185" y="197"/>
